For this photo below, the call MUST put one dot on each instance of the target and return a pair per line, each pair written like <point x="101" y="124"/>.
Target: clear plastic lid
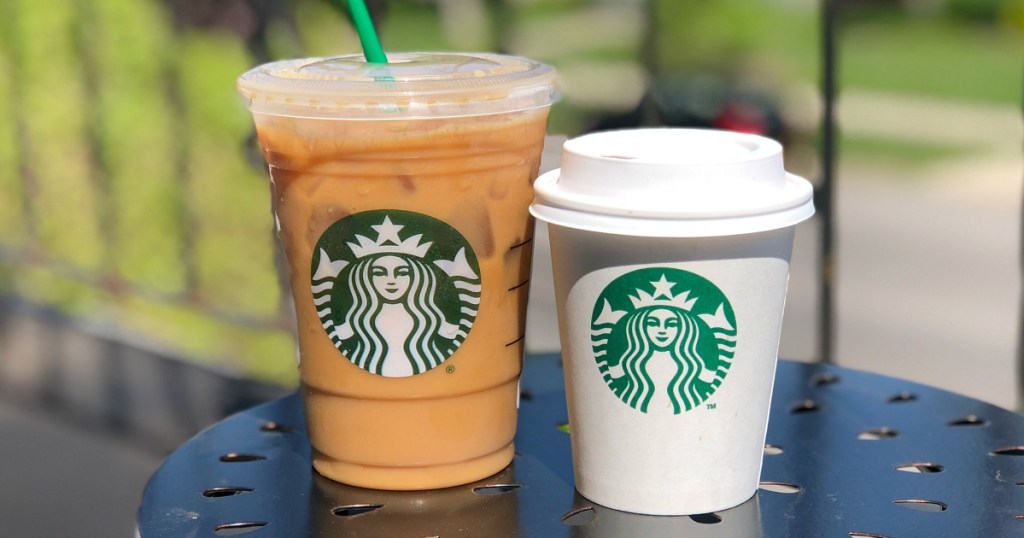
<point x="672" y="183"/>
<point x="410" y="85"/>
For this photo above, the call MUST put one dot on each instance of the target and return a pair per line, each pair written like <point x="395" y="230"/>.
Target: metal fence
<point x="128" y="197"/>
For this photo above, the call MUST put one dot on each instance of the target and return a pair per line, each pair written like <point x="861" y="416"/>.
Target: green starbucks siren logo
<point x="396" y="291"/>
<point x="664" y="335"/>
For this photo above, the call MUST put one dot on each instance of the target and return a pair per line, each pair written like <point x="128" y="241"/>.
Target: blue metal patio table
<point x="848" y="453"/>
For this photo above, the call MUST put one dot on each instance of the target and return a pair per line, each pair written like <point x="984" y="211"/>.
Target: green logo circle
<point x="396" y="291"/>
<point x="661" y="333"/>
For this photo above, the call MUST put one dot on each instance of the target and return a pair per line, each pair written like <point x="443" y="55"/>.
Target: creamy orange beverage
<point x="400" y="193"/>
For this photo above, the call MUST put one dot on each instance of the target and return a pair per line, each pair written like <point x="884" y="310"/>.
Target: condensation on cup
<point x="401" y="196"/>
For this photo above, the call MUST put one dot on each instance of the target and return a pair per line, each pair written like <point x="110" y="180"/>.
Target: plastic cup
<point x="400" y="193"/>
<point x="670" y="251"/>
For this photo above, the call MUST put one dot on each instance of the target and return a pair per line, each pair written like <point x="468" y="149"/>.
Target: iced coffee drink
<point x="400" y="193"/>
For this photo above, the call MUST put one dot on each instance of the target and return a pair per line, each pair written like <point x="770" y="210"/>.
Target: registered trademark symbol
<point x="450" y="369"/>
<point x="712" y="406"/>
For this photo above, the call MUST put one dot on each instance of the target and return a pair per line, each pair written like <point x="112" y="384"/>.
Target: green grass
<point x="885" y="52"/>
<point x="733" y="35"/>
<point x="12" y="187"/>
<point x="934" y="58"/>
<point x="413" y="27"/>
<point x="130" y="50"/>
<point x="65" y="203"/>
<point x="892" y="53"/>
<point x="900" y="152"/>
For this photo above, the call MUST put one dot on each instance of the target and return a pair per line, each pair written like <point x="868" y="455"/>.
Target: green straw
<point x="367" y="34"/>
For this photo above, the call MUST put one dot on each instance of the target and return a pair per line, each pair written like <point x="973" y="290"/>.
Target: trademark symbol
<point x="450" y="369"/>
<point x="712" y="406"/>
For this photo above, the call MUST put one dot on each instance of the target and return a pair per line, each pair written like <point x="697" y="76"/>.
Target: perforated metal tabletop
<point x="848" y="454"/>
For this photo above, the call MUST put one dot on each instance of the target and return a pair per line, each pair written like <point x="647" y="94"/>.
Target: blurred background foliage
<point x="132" y="196"/>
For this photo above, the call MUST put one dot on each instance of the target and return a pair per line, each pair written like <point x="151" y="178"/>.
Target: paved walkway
<point x="928" y="279"/>
<point x="60" y="479"/>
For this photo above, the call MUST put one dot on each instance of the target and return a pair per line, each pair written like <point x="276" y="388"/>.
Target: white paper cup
<point x="670" y="250"/>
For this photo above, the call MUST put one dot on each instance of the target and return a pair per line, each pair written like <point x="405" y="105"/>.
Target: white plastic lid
<point x="410" y="85"/>
<point x="672" y="183"/>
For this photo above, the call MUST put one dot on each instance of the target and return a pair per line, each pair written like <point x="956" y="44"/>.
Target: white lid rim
<point x="795" y="193"/>
<point x="672" y="227"/>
